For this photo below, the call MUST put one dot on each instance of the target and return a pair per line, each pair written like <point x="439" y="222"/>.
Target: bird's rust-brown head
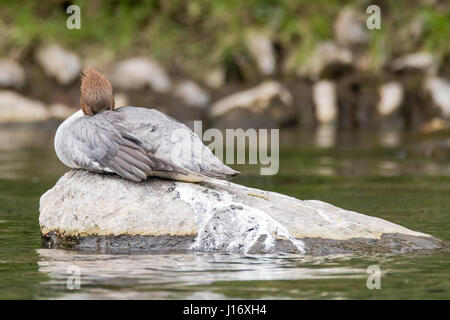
<point x="96" y="92"/>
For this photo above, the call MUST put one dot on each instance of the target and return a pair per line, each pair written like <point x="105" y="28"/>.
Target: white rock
<point x="215" y="78"/>
<point x="212" y="216"/>
<point x="12" y="74"/>
<point x="138" y="73"/>
<point x="61" y="111"/>
<point x="16" y="108"/>
<point x="257" y="98"/>
<point x="325" y="101"/>
<point x="59" y="63"/>
<point x="421" y="60"/>
<point x="260" y="47"/>
<point x="391" y="97"/>
<point x="350" y="28"/>
<point x="192" y="94"/>
<point x="325" y="55"/>
<point x="439" y="89"/>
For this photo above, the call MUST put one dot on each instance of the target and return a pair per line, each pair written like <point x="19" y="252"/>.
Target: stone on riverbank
<point x="439" y="90"/>
<point x="59" y="63"/>
<point x="94" y="211"/>
<point x="325" y="101"/>
<point x="16" y="108"/>
<point x="422" y="61"/>
<point x="257" y="98"/>
<point x="327" y="60"/>
<point x="12" y="74"/>
<point x="139" y="73"/>
<point x="350" y="28"/>
<point x="60" y="111"/>
<point x="268" y="105"/>
<point x="261" y="49"/>
<point x="391" y="96"/>
<point x="192" y="94"/>
<point x="214" y="78"/>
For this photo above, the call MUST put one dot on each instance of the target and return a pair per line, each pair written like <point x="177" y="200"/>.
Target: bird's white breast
<point x="63" y="141"/>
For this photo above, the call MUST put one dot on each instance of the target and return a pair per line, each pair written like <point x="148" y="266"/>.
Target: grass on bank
<point x="202" y="34"/>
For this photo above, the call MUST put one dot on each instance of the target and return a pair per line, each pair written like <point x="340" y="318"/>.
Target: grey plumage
<point x="135" y="143"/>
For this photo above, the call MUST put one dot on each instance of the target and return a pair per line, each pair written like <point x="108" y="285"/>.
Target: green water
<point x="382" y="175"/>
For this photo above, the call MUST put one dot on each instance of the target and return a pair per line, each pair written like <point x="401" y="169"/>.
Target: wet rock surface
<point x="104" y="212"/>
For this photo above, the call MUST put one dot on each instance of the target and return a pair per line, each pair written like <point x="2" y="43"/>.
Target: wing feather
<point x="103" y="142"/>
<point x="156" y="131"/>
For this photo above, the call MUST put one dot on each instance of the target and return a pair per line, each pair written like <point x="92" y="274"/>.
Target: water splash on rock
<point x="225" y="224"/>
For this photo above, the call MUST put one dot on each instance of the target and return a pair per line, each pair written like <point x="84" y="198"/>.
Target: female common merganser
<point x="132" y="142"/>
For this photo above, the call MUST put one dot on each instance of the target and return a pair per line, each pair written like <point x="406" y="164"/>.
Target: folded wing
<point x="172" y="141"/>
<point x="109" y="147"/>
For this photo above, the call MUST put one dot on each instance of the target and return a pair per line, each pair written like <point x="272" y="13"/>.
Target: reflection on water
<point x="21" y="136"/>
<point x="390" y="139"/>
<point x="325" y="136"/>
<point x="221" y="276"/>
<point x="170" y="272"/>
<point x="26" y="151"/>
<point x="380" y="174"/>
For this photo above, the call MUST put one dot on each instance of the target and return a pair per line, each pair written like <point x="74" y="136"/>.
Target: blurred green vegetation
<point x="207" y="33"/>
